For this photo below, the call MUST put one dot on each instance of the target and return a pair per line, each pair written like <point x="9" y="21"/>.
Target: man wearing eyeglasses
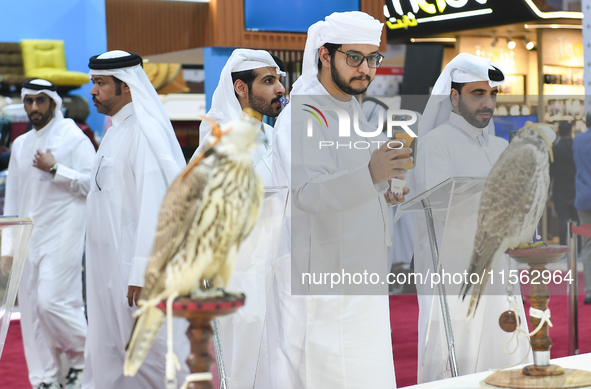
<point x="334" y="335"/>
<point x="48" y="180"/>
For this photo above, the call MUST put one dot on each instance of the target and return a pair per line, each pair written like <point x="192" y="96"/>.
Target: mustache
<point x="484" y="110"/>
<point x="96" y="101"/>
<point x="276" y="99"/>
<point x="366" y="77"/>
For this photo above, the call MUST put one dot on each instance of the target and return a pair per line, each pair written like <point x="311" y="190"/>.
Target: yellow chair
<point x="46" y="59"/>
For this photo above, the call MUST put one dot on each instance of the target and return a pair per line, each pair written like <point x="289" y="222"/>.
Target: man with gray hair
<point x="52" y="190"/>
<point x="338" y="216"/>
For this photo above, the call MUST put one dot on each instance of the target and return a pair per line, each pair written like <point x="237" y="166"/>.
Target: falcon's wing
<point x="508" y="193"/>
<point x="180" y="204"/>
<point x="507" y="196"/>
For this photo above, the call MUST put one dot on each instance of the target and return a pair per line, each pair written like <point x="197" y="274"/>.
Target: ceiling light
<point x="529" y="44"/>
<point x="563" y="26"/>
<point x="511" y="44"/>
<point x="433" y="40"/>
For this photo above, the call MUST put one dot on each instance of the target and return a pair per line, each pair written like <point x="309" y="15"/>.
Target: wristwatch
<point x="53" y="170"/>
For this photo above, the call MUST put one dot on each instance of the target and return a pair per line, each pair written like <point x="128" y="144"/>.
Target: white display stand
<point x="476" y="381"/>
<point x="450" y="210"/>
<point x="22" y="229"/>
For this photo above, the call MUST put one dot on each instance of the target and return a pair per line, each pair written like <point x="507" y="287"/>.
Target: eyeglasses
<point x="39" y="100"/>
<point x="354" y="59"/>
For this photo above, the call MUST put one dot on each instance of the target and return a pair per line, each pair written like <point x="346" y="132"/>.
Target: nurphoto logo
<point x="395" y="118"/>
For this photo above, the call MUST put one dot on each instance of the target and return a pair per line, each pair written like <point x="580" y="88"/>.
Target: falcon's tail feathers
<point x="480" y="265"/>
<point x="145" y="330"/>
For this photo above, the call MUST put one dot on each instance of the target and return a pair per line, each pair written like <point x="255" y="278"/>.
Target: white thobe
<point x="243" y="334"/>
<point x="458" y="149"/>
<point x="50" y="292"/>
<point x="127" y="188"/>
<point x="337" y="214"/>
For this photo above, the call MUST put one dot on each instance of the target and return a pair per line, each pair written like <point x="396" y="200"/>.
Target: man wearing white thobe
<point x="137" y="160"/>
<point x="338" y="216"/>
<point x="48" y="180"/>
<point x="250" y="79"/>
<point x="456" y="139"/>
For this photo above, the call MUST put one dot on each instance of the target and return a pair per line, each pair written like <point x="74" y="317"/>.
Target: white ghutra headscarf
<point x="463" y="68"/>
<point x="345" y="28"/>
<point x="149" y="110"/>
<point x="225" y="106"/>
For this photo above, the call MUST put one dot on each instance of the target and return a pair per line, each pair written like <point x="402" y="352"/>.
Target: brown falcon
<point x="206" y="213"/>
<point x="512" y="202"/>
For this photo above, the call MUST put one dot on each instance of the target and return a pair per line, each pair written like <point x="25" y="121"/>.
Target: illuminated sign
<point x="410" y="13"/>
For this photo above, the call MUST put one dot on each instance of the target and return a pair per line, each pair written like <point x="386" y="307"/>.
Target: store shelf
<point x="563" y="90"/>
<point x="184" y="106"/>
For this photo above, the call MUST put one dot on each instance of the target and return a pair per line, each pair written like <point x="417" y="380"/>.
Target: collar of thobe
<point x="125" y="112"/>
<point x="269" y="136"/>
<point x="45" y="130"/>
<point x="479" y="134"/>
<point x="61" y="136"/>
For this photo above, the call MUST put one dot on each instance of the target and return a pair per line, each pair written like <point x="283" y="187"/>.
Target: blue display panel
<point x="293" y="15"/>
<point x="505" y="124"/>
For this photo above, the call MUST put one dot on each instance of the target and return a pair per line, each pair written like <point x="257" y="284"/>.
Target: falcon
<point x="206" y="213"/>
<point x="512" y="202"/>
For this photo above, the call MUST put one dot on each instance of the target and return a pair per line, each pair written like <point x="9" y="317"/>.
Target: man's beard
<point x="43" y="120"/>
<point x="472" y="117"/>
<point x="260" y="105"/>
<point x="343" y="85"/>
<point x="106" y="105"/>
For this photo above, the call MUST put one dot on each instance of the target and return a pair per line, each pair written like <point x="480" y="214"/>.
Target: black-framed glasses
<point x="39" y="100"/>
<point x="356" y="59"/>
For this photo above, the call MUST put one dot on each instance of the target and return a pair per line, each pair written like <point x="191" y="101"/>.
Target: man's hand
<point x="5" y="265"/>
<point x="384" y="164"/>
<point x="133" y="294"/>
<point x="395" y="198"/>
<point x="44" y="161"/>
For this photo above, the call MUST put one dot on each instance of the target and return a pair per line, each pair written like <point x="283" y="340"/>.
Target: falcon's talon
<point x="531" y="245"/>
<point x="199" y="293"/>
